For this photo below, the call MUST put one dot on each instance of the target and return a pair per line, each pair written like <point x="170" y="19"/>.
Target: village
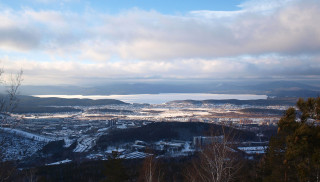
<point x="86" y="127"/>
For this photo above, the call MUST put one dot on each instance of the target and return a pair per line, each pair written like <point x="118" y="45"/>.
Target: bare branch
<point x="8" y="103"/>
<point x="151" y="170"/>
<point x="217" y="162"/>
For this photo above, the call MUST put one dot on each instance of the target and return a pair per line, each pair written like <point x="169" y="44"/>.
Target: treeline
<point x="29" y="104"/>
<point x="276" y="112"/>
<point x="26" y="101"/>
<point x="114" y="169"/>
<point x="259" y="102"/>
<point x="39" y="109"/>
<point x="118" y="170"/>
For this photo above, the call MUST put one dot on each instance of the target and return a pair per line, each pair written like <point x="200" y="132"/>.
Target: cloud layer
<point x="263" y="39"/>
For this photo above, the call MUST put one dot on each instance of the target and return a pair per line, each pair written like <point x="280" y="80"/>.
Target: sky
<point x="80" y="42"/>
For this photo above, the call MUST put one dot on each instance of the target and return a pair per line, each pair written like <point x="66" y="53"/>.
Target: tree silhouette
<point x="114" y="169"/>
<point x="8" y="102"/>
<point x="294" y="153"/>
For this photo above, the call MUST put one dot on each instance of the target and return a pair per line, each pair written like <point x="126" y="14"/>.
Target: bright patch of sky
<point x="116" y="6"/>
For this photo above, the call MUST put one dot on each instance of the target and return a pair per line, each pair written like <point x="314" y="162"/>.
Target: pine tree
<point x="294" y="153"/>
<point x="114" y="169"/>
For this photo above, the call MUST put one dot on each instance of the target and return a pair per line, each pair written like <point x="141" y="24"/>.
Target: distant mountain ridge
<point x="29" y="104"/>
<point x="52" y="101"/>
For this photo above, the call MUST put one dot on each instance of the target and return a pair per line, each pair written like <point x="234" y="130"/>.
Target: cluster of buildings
<point x="178" y="148"/>
<point x="87" y="126"/>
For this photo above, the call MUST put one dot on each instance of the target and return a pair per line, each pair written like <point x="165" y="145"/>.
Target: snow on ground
<point x="135" y="155"/>
<point x="68" y="142"/>
<point x="175" y="113"/>
<point x="26" y="134"/>
<point x="187" y="148"/>
<point x="114" y="149"/>
<point x="15" y="147"/>
<point x="95" y="156"/>
<point x="103" y="129"/>
<point x="253" y="150"/>
<point x="123" y="126"/>
<point x="59" y="162"/>
<point x="84" y="144"/>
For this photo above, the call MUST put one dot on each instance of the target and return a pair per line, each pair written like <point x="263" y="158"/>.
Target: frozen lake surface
<point x="161" y="98"/>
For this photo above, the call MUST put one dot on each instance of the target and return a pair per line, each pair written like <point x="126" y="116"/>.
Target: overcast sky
<point x="81" y="41"/>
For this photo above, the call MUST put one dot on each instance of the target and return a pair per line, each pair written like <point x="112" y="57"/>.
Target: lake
<point x="161" y="98"/>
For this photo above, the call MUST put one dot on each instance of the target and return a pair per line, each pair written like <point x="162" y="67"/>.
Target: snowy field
<point x="26" y="134"/>
<point x="16" y="147"/>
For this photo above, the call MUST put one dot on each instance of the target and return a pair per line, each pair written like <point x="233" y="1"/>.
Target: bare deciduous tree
<point x="217" y="162"/>
<point x="8" y="102"/>
<point x="151" y="170"/>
